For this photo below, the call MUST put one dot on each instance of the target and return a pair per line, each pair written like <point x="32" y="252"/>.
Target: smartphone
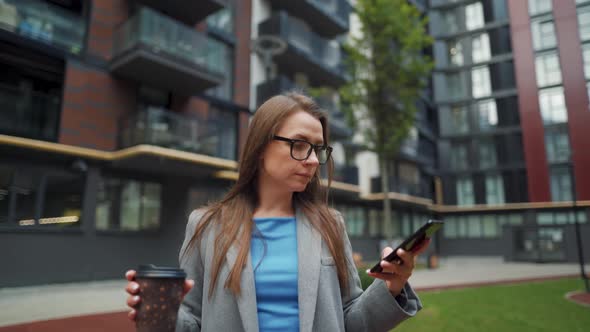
<point x="411" y="242"/>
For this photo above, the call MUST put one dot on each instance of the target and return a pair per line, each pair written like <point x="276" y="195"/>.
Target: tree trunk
<point x="383" y="163"/>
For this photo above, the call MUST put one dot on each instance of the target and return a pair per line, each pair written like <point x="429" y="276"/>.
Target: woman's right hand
<point x="133" y="291"/>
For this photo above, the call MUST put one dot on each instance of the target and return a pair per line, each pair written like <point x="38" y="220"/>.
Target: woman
<point x="271" y="255"/>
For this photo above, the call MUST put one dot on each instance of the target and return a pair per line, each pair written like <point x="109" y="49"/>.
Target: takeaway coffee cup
<point x="160" y="289"/>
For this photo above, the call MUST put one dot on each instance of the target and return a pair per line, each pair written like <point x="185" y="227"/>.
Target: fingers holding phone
<point x="396" y="273"/>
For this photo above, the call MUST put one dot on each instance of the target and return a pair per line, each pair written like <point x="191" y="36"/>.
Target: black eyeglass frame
<point x="312" y="146"/>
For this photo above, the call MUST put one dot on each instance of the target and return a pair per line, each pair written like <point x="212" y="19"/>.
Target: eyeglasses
<point x="301" y="149"/>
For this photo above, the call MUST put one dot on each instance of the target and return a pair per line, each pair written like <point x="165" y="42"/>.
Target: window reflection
<point x="552" y="104"/>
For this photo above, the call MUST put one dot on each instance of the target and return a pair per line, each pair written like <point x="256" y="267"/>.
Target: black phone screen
<point x="409" y="244"/>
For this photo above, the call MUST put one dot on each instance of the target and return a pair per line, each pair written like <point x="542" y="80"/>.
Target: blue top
<point x="275" y="273"/>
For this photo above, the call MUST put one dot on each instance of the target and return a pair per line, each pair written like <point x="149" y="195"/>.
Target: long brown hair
<point x="232" y="215"/>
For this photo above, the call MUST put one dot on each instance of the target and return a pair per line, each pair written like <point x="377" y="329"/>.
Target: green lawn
<point x="538" y="306"/>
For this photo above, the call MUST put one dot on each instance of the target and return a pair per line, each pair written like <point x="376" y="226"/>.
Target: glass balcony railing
<point x="343" y="173"/>
<point x="175" y="50"/>
<point x="42" y="22"/>
<point x="214" y="136"/>
<point x="329" y="18"/>
<point x="29" y="114"/>
<point x="320" y="58"/>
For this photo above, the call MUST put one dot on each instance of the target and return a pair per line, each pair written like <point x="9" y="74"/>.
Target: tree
<point x="388" y="71"/>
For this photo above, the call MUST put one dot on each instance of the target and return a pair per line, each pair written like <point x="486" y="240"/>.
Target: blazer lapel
<point x="309" y="246"/>
<point x="247" y="299"/>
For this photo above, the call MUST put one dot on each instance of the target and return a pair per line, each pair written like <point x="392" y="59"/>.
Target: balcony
<point x="320" y="59"/>
<point x="328" y="17"/>
<point x="29" y="114"/>
<point x="343" y="173"/>
<point x="186" y="11"/>
<point x="154" y="49"/>
<point x="421" y="189"/>
<point x="281" y="84"/>
<point x="214" y="136"/>
<point x="43" y="23"/>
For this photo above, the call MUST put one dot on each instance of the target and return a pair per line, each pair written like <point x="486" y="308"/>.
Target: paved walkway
<point x="105" y="300"/>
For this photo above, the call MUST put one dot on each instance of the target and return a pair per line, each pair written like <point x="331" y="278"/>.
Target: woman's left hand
<point x="396" y="274"/>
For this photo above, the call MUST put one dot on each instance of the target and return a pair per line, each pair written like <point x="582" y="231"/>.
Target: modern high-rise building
<point x="117" y="119"/>
<point x="510" y="89"/>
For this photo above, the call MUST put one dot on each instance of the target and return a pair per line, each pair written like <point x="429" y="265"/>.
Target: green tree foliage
<point x="388" y="71"/>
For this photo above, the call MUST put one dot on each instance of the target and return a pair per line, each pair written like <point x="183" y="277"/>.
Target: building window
<point x="488" y="114"/>
<point x="561" y="185"/>
<point x="480" y="46"/>
<point x="543" y="34"/>
<point x="455" y="50"/>
<point x="32" y="196"/>
<point x="586" y="56"/>
<point x="539" y="6"/>
<point x="481" y="82"/>
<point x="487" y="153"/>
<point x="552" y="103"/>
<point x="465" y="191"/>
<point x="375" y="222"/>
<point x="474" y="18"/>
<point x="584" y="23"/>
<point x="391" y="228"/>
<point x="490" y="227"/>
<point x="474" y="229"/>
<point x="560" y="218"/>
<point x="456" y="85"/>
<point x="557" y="146"/>
<point x="128" y="205"/>
<point x="494" y="189"/>
<point x="458" y="120"/>
<point x="355" y="220"/>
<point x="459" y="159"/>
<point x="547" y="69"/>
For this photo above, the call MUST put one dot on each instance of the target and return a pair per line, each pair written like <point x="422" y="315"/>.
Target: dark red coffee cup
<point x="161" y="292"/>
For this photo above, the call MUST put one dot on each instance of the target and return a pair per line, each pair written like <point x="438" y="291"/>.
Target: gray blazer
<point x="322" y="305"/>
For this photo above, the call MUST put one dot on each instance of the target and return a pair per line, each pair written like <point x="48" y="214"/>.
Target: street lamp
<point x="577" y="224"/>
<point x="268" y="46"/>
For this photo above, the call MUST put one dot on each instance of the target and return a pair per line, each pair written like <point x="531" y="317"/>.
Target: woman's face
<point x="277" y="164"/>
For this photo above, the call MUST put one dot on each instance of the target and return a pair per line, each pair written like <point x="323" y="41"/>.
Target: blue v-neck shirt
<point x="275" y="273"/>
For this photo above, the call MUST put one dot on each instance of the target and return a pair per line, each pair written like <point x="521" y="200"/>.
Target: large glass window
<point x="480" y="82"/>
<point x="457" y="120"/>
<point x="487" y="153"/>
<point x="487" y="114"/>
<point x="474" y="229"/>
<point x="480" y="46"/>
<point x="547" y="69"/>
<point x="128" y="205"/>
<point x="375" y="222"/>
<point x="561" y="185"/>
<point x="31" y="196"/>
<point x="539" y="6"/>
<point x="455" y="50"/>
<point x="490" y="227"/>
<point x="543" y="31"/>
<point x="465" y="194"/>
<point x="586" y="55"/>
<point x="552" y="103"/>
<point x="584" y="22"/>
<point x="494" y="189"/>
<point x="474" y="18"/>
<point x="459" y="156"/>
<point x="456" y="85"/>
<point x="557" y="145"/>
